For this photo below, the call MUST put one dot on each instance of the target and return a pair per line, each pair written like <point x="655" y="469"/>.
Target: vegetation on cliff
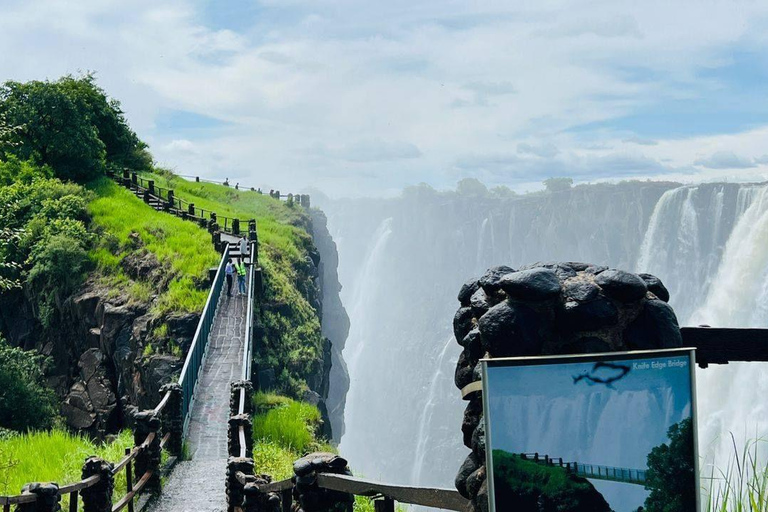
<point x="289" y="341"/>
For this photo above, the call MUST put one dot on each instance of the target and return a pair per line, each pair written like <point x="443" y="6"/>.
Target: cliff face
<point x="96" y="351"/>
<point x="335" y="321"/>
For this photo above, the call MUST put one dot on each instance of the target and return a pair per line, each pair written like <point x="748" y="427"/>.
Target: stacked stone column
<point x="173" y="419"/>
<point x="48" y="498"/>
<point x="98" y="498"/>
<point x="549" y="308"/>
<point x="308" y="496"/>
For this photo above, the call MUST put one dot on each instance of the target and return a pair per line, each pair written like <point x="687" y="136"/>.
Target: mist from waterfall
<point x="708" y="243"/>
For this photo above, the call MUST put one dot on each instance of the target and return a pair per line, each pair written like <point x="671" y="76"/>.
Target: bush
<point x="26" y="403"/>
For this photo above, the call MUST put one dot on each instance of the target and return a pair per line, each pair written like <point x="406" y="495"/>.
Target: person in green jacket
<point x="240" y="268"/>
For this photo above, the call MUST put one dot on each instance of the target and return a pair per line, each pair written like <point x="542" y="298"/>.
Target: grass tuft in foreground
<point x="59" y="457"/>
<point x="743" y="485"/>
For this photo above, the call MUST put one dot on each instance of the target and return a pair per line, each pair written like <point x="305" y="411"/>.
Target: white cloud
<point x="372" y="87"/>
<point x="725" y="160"/>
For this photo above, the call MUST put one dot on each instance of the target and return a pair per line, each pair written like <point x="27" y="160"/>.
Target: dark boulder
<point x="468" y="467"/>
<point x="655" y="327"/>
<point x="588" y="316"/>
<point x="462" y="322"/>
<point x="655" y="286"/>
<point x="535" y="284"/>
<point x="467" y="290"/>
<point x="622" y="286"/>
<point x="490" y="280"/>
<point x="581" y="290"/>
<point x="479" y="303"/>
<point x="587" y="345"/>
<point x="463" y="374"/>
<point x="509" y="330"/>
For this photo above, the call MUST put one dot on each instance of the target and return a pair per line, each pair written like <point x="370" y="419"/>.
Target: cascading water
<point x="708" y="243"/>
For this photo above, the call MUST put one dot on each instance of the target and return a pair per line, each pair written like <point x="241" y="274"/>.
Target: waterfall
<point x="403" y="260"/>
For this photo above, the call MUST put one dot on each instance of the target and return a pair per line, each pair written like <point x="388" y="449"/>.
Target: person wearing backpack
<point x="241" y="272"/>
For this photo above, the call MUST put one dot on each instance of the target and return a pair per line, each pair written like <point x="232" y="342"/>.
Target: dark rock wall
<point x="97" y="368"/>
<point x="334" y="321"/>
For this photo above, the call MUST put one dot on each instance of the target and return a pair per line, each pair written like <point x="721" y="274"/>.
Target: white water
<point x="403" y="261"/>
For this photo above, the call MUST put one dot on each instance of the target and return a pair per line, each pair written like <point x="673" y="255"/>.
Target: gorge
<point x="402" y="261"/>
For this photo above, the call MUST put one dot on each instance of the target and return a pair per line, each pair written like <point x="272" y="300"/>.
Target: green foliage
<point x="471" y="187"/>
<point x="742" y="486"/>
<point x="523" y="484"/>
<point x="54" y="456"/>
<point x="68" y="124"/>
<point x="558" y="184"/>
<point x="292" y="343"/>
<point x="14" y="169"/>
<point x="288" y="423"/>
<point x="126" y="225"/>
<point x="670" y="476"/>
<point x="25" y="400"/>
<point x="51" y="241"/>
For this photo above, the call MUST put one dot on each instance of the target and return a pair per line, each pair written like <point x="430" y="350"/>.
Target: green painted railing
<point x="197" y="351"/>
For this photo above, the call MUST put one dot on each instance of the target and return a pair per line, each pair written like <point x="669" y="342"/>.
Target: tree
<point x="557" y="184"/>
<point x="26" y="403"/>
<point x="69" y="124"/>
<point x="670" y="476"/>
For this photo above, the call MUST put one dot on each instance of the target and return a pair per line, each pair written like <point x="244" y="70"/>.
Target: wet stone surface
<point x="199" y="484"/>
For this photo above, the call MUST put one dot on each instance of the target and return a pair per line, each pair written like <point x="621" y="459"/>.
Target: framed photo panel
<point x="592" y="433"/>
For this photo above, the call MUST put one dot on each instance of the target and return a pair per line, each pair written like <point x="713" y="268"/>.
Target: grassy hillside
<point x="128" y="226"/>
<point x="291" y="342"/>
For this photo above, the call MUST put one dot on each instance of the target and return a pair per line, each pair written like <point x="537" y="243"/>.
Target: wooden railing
<point x="387" y="494"/>
<point x="301" y="199"/>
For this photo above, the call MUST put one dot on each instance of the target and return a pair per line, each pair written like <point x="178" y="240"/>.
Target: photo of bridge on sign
<point x="611" y="432"/>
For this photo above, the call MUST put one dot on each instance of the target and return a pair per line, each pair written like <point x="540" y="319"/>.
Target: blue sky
<point x="364" y="98"/>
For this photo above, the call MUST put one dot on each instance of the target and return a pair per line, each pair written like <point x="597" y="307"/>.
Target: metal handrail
<point x="197" y="351"/>
<point x="247" y="348"/>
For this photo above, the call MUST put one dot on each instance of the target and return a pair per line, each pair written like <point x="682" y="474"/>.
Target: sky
<point x="363" y="98"/>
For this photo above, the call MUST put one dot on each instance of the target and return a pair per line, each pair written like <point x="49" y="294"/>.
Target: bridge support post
<point x="233" y="435"/>
<point x="147" y="422"/>
<point x="48" y="498"/>
<point x="173" y="421"/>
<point x="98" y="498"/>
<point x="234" y="487"/>
<point x="551" y="308"/>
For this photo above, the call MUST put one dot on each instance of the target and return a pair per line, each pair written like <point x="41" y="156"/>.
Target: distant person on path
<point x="240" y="267"/>
<point x="243" y="247"/>
<point x="230" y="271"/>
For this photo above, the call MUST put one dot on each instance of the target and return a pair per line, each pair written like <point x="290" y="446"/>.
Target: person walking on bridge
<point x="243" y="243"/>
<point x="229" y="270"/>
<point x="240" y="267"/>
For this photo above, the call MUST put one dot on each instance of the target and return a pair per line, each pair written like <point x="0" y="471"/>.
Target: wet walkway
<point x="198" y="484"/>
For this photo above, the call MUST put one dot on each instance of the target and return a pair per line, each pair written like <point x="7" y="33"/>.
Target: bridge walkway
<point x="197" y="484"/>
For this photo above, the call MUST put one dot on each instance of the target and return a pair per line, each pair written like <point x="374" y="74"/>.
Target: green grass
<point x="280" y="429"/>
<point x="742" y="486"/>
<point x="183" y="249"/>
<point x="292" y="342"/>
<point x="285" y="422"/>
<point x="54" y="456"/>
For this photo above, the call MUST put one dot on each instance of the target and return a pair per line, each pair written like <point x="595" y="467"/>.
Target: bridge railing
<point x="595" y="471"/>
<point x="197" y="350"/>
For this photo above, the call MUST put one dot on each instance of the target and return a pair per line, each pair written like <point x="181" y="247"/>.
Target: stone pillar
<point x="256" y="501"/>
<point x="308" y="495"/>
<point x="172" y="418"/>
<point x="98" y="498"/>
<point x="552" y="308"/>
<point x="234" y="488"/>
<point x="148" y="459"/>
<point x="233" y="434"/>
<point x="151" y="187"/>
<point x="134" y="178"/>
<point x="48" y="498"/>
<point x="234" y="397"/>
<point x="216" y="239"/>
<point x="171" y="201"/>
<point x="236" y="226"/>
<point x="126" y="178"/>
<point x="191" y="209"/>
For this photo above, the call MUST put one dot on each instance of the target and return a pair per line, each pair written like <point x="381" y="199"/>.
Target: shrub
<point x="25" y="401"/>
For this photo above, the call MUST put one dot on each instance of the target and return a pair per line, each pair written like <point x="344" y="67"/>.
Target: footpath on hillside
<point x="198" y="484"/>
